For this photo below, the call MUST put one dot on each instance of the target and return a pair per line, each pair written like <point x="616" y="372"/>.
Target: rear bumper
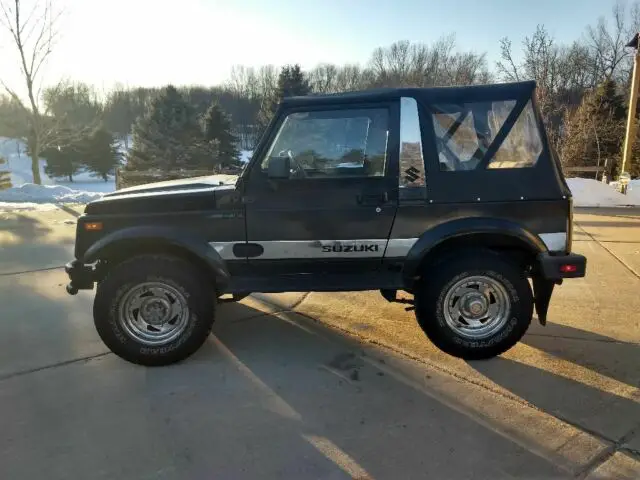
<point x="558" y="267"/>
<point x="551" y="271"/>
<point x="81" y="276"/>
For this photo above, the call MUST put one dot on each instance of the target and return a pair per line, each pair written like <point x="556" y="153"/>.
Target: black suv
<point x="453" y="195"/>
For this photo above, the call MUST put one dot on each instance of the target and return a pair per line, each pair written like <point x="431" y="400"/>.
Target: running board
<point x="316" y="282"/>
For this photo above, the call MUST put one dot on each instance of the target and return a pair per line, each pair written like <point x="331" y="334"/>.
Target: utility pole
<point x="631" y="116"/>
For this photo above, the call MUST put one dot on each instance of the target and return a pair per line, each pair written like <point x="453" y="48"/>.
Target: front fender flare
<point x="163" y="235"/>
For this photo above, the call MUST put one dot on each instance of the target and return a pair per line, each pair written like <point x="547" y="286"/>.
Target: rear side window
<point x="523" y="144"/>
<point x="464" y="133"/>
<point x="411" y="161"/>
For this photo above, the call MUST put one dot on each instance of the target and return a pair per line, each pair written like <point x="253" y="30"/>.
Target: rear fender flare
<point x="444" y="232"/>
<point x="161" y="235"/>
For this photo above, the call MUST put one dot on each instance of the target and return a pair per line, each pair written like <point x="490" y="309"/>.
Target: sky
<point x="155" y="42"/>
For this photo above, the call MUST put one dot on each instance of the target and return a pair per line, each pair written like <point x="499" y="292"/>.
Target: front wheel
<point x="154" y="309"/>
<point x="475" y="307"/>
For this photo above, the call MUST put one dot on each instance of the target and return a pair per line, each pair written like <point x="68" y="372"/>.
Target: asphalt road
<point x="323" y="386"/>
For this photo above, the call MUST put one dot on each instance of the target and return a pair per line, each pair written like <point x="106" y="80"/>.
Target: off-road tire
<point x="172" y="271"/>
<point x="430" y="304"/>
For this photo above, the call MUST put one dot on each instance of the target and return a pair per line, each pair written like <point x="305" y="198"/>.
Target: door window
<point x="333" y="143"/>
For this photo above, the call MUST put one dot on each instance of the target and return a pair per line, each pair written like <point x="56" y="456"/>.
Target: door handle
<point x="373" y="198"/>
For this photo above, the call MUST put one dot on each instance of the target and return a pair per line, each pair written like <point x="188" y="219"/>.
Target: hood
<point x="194" y="183"/>
<point x="190" y="194"/>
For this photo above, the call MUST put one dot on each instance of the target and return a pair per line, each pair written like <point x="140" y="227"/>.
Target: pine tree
<point x="66" y="159"/>
<point x="291" y="82"/>
<point x="216" y="126"/>
<point x="167" y="136"/>
<point x="101" y="154"/>
<point x="595" y="132"/>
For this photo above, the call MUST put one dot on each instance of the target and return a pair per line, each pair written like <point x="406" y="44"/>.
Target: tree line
<point x="582" y="93"/>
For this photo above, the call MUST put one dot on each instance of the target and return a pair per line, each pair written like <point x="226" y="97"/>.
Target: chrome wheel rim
<point x="477" y="307"/>
<point x="154" y="313"/>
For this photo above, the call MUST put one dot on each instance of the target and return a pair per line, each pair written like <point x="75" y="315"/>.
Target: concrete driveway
<point x="322" y="385"/>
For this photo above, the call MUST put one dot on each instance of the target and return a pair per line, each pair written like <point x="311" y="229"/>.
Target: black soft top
<point x="492" y="92"/>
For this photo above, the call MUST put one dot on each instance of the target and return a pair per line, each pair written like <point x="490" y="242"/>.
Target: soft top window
<point x="465" y="133"/>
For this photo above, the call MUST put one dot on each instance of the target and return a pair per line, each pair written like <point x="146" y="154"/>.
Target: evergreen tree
<point x="595" y="132"/>
<point x="66" y="159"/>
<point x="123" y="107"/>
<point x="216" y="126"/>
<point x="167" y="136"/>
<point x="291" y="82"/>
<point x="101" y="154"/>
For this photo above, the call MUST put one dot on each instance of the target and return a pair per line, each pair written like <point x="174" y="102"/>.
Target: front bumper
<point x="558" y="267"/>
<point x="81" y="276"/>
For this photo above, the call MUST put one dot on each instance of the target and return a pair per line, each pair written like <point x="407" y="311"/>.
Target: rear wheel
<point x="154" y="309"/>
<point x="476" y="306"/>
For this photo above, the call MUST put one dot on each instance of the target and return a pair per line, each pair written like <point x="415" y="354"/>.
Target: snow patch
<point x="592" y="193"/>
<point x="19" y="166"/>
<point x="26" y="206"/>
<point x="24" y="195"/>
<point x="33" y="193"/>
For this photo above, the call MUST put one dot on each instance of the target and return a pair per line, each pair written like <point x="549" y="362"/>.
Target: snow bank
<point x="592" y="193"/>
<point x="24" y="195"/>
<point x="32" y="193"/>
<point x="19" y="167"/>
<point x="26" y="206"/>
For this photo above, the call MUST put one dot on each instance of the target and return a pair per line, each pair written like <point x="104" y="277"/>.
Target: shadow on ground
<point x="266" y="397"/>
<point x="605" y="223"/>
<point x="580" y="404"/>
<point x="578" y="376"/>
<point x="41" y="325"/>
<point x="632" y="213"/>
<point x="601" y="354"/>
<point x="30" y="242"/>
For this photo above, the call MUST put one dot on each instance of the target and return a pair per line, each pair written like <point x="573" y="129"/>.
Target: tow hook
<point x="81" y="276"/>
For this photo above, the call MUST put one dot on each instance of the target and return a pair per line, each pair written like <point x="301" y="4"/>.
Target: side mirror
<point x="279" y="167"/>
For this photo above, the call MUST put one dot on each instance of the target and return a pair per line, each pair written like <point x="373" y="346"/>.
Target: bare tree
<point x="593" y="133"/>
<point x="33" y="32"/>
<point x="322" y="78"/>
<point x="244" y="82"/>
<point x="607" y="41"/>
<point x="350" y="77"/>
<point x="507" y="67"/>
<point x="553" y="68"/>
<point x="403" y="64"/>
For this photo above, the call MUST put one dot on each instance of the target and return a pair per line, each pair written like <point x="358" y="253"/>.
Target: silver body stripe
<point x="360" y="248"/>
<point x="225" y="249"/>
<point x="399" y="247"/>
<point x="363" y="248"/>
<point x="555" y="242"/>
